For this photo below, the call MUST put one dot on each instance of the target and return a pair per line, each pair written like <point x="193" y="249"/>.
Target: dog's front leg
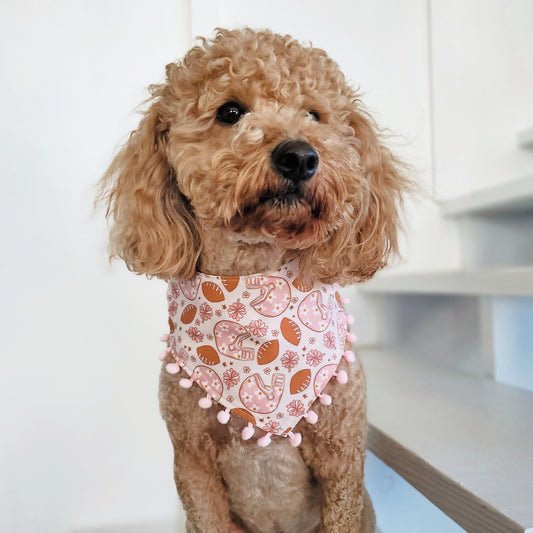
<point x="334" y="449"/>
<point x="202" y="494"/>
<point x="195" y="436"/>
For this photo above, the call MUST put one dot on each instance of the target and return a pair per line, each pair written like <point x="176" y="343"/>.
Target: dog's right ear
<point x="154" y="230"/>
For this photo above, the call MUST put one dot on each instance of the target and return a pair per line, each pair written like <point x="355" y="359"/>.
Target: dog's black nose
<point x="295" y="160"/>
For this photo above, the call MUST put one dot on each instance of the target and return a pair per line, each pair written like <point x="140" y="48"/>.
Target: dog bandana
<point x="263" y="346"/>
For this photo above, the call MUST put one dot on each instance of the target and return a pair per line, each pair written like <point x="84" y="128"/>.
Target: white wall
<point x="81" y="440"/>
<point x="483" y="87"/>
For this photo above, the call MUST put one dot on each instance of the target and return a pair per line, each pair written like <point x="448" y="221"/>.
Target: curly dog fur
<point x="189" y="193"/>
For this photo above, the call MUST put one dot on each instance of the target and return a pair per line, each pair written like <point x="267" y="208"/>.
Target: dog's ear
<point x="369" y="236"/>
<point x="154" y="230"/>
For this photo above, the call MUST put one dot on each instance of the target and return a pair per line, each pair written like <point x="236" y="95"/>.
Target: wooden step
<point x="463" y="441"/>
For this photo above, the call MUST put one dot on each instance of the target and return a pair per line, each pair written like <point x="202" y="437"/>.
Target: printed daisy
<point x="236" y="310"/>
<point x="174" y="289"/>
<point x="329" y="340"/>
<point x="289" y="360"/>
<point x="272" y="427"/>
<point x="206" y="312"/>
<point x="258" y="328"/>
<point x="230" y="377"/>
<point x="195" y="334"/>
<point x="296" y="408"/>
<point x="173" y="308"/>
<point x="314" y="357"/>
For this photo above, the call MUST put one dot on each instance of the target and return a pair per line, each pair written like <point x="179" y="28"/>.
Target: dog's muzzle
<point x="295" y="161"/>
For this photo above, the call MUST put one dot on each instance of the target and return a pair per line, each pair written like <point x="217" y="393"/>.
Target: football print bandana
<point x="263" y="346"/>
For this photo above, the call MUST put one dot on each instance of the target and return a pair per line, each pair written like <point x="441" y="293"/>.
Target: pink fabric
<point x="263" y="346"/>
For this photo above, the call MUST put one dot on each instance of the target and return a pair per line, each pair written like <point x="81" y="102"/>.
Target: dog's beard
<point x="291" y="214"/>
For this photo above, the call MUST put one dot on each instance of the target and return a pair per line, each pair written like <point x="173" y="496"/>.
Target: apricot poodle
<point x="256" y="184"/>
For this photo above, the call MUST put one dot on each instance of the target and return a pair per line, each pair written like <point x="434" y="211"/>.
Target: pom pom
<point x="248" y="432"/>
<point x="223" y="416"/>
<point x="351" y="337"/>
<point x="295" y="439"/>
<point x="263" y="442"/>
<point x="172" y="368"/>
<point x="325" y="399"/>
<point x="165" y="337"/>
<point x="205" y="403"/>
<point x="342" y="377"/>
<point x="350" y="319"/>
<point x="345" y="300"/>
<point x="186" y="383"/>
<point x="349" y="356"/>
<point x="164" y="353"/>
<point x="311" y="417"/>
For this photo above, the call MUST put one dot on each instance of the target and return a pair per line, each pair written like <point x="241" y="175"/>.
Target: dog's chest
<point x="270" y="489"/>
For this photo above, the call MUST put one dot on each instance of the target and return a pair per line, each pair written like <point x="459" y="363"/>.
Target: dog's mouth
<point x="288" y="196"/>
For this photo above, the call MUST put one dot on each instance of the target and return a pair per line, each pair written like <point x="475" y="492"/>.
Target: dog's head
<point x="257" y="136"/>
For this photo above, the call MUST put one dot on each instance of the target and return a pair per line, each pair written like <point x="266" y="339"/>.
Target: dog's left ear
<point x="369" y="237"/>
<point x="154" y="230"/>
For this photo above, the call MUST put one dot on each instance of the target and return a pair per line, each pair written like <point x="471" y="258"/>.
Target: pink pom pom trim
<point x="351" y="337"/>
<point x="325" y="399"/>
<point x="349" y="356"/>
<point x="165" y="337"/>
<point x="263" y="442"/>
<point x="223" y="416"/>
<point x="342" y="377"/>
<point x="311" y="417"/>
<point x="172" y="368"/>
<point x="248" y="432"/>
<point x="205" y="403"/>
<point x="295" y="439"/>
<point x="186" y="383"/>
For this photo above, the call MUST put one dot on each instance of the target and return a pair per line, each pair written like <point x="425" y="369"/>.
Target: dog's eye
<point x="230" y="113"/>
<point x="314" y="115"/>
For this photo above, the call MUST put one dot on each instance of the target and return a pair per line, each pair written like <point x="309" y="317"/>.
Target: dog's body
<point x="255" y="152"/>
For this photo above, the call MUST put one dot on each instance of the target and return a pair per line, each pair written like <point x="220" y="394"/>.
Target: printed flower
<point x="329" y="340"/>
<point x="197" y="322"/>
<point x="275" y="332"/>
<point x="289" y="360"/>
<point x="230" y="377"/>
<point x="271" y="427"/>
<point x="267" y="371"/>
<point x="246" y="369"/>
<point x="173" y="308"/>
<point x="195" y="334"/>
<point x="312" y="340"/>
<point x="218" y="312"/>
<point x="206" y="312"/>
<point x="174" y="290"/>
<point x="258" y="328"/>
<point x="230" y="399"/>
<point x="296" y="408"/>
<point x="246" y="294"/>
<point x="314" y="357"/>
<point x="236" y="310"/>
<point x="279" y="415"/>
<point x="289" y="273"/>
